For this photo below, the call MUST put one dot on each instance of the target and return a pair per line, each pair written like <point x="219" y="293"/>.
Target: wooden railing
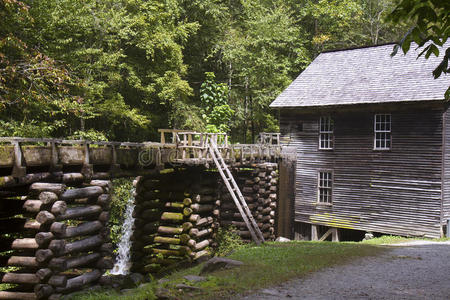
<point x="269" y="138"/>
<point x="191" y="145"/>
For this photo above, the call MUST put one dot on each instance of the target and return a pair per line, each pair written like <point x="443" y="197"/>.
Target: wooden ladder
<point x="235" y="192"/>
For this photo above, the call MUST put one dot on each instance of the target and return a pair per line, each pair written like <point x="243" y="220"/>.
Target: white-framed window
<point x="326" y="137"/>
<point x="325" y="186"/>
<point x="382" y="132"/>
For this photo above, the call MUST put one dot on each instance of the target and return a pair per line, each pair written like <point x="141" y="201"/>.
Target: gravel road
<point x="417" y="270"/>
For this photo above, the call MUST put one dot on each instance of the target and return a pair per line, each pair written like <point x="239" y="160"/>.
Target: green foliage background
<point x="119" y="70"/>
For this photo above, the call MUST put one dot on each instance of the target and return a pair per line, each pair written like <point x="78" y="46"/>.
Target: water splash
<point x="123" y="264"/>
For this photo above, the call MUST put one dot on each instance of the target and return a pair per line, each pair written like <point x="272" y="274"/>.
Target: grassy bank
<point x="264" y="266"/>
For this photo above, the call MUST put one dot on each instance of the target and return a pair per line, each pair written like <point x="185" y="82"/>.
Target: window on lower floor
<point x="325" y="186"/>
<point x="382" y="129"/>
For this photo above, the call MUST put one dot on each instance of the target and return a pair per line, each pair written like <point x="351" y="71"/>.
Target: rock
<point x="163" y="280"/>
<point x="161" y="293"/>
<point x="368" y="236"/>
<point x="186" y="287"/>
<point x="194" y="278"/>
<point x="217" y="263"/>
<point x="136" y="278"/>
<point x="142" y="285"/>
<point x="282" y="239"/>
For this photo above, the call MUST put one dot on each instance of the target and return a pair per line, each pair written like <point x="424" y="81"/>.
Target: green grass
<point x="270" y="264"/>
<point x="392" y="239"/>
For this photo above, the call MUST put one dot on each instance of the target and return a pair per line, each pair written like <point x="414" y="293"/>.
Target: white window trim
<point x="329" y="188"/>
<point x="330" y="132"/>
<point x="375" y="131"/>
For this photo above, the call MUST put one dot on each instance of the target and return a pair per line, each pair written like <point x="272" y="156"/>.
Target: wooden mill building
<point x="372" y="135"/>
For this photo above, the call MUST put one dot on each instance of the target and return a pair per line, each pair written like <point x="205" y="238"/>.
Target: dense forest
<point x="119" y="70"/>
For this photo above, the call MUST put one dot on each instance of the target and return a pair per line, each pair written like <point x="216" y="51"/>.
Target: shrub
<point x="228" y="240"/>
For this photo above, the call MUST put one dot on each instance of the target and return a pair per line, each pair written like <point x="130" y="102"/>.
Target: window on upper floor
<point x="326" y="137"/>
<point x="324" y="186"/>
<point x="382" y="132"/>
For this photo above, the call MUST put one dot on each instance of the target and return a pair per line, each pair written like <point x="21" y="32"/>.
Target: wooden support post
<point x="335" y="235"/>
<point x="314" y="233"/>
<point x="18" y="169"/>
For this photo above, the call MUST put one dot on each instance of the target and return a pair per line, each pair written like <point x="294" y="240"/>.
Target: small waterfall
<point x="123" y="264"/>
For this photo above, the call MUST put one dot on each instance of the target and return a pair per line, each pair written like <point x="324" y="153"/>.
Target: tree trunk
<point x="39" y="187"/>
<point x="85" y="228"/>
<point x="80" y="212"/>
<point x="87" y="192"/>
<point x="43" y="255"/>
<point x="84" y="244"/>
<point x="82" y="260"/>
<point x="19" y="261"/>
<point x="17" y="295"/>
<point x="170" y="230"/>
<point x="45" y="217"/>
<point x="58" y="280"/>
<point x="59" y="208"/>
<point x="19" y="278"/>
<point x="43" y="274"/>
<point x="79" y="282"/>
<point x="173" y="217"/>
<point x="43" y="290"/>
<point x="48" y="197"/>
<point x="32" y="206"/>
<point x="22" y="244"/>
<point x="43" y="238"/>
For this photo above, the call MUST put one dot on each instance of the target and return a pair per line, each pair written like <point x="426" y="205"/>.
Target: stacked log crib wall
<point x="259" y="187"/>
<point x="174" y="218"/>
<point x="55" y="240"/>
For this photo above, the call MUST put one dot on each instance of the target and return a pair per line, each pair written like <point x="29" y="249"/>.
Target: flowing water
<point x="123" y="264"/>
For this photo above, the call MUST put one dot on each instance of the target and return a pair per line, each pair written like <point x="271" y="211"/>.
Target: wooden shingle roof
<point x="364" y="76"/>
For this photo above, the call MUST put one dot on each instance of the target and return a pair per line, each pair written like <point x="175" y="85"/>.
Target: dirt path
<point x="417" y="271"/>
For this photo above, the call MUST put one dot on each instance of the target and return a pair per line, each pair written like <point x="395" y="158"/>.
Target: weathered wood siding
<point x="395" y="192"/>
<point x="446" y="171"/>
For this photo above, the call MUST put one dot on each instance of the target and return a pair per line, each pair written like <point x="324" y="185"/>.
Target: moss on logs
<point x="187" y="211"/>
<point x="174" y="205"/>
<point x="170" y="252"/>
<point x="172" y="217"/>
